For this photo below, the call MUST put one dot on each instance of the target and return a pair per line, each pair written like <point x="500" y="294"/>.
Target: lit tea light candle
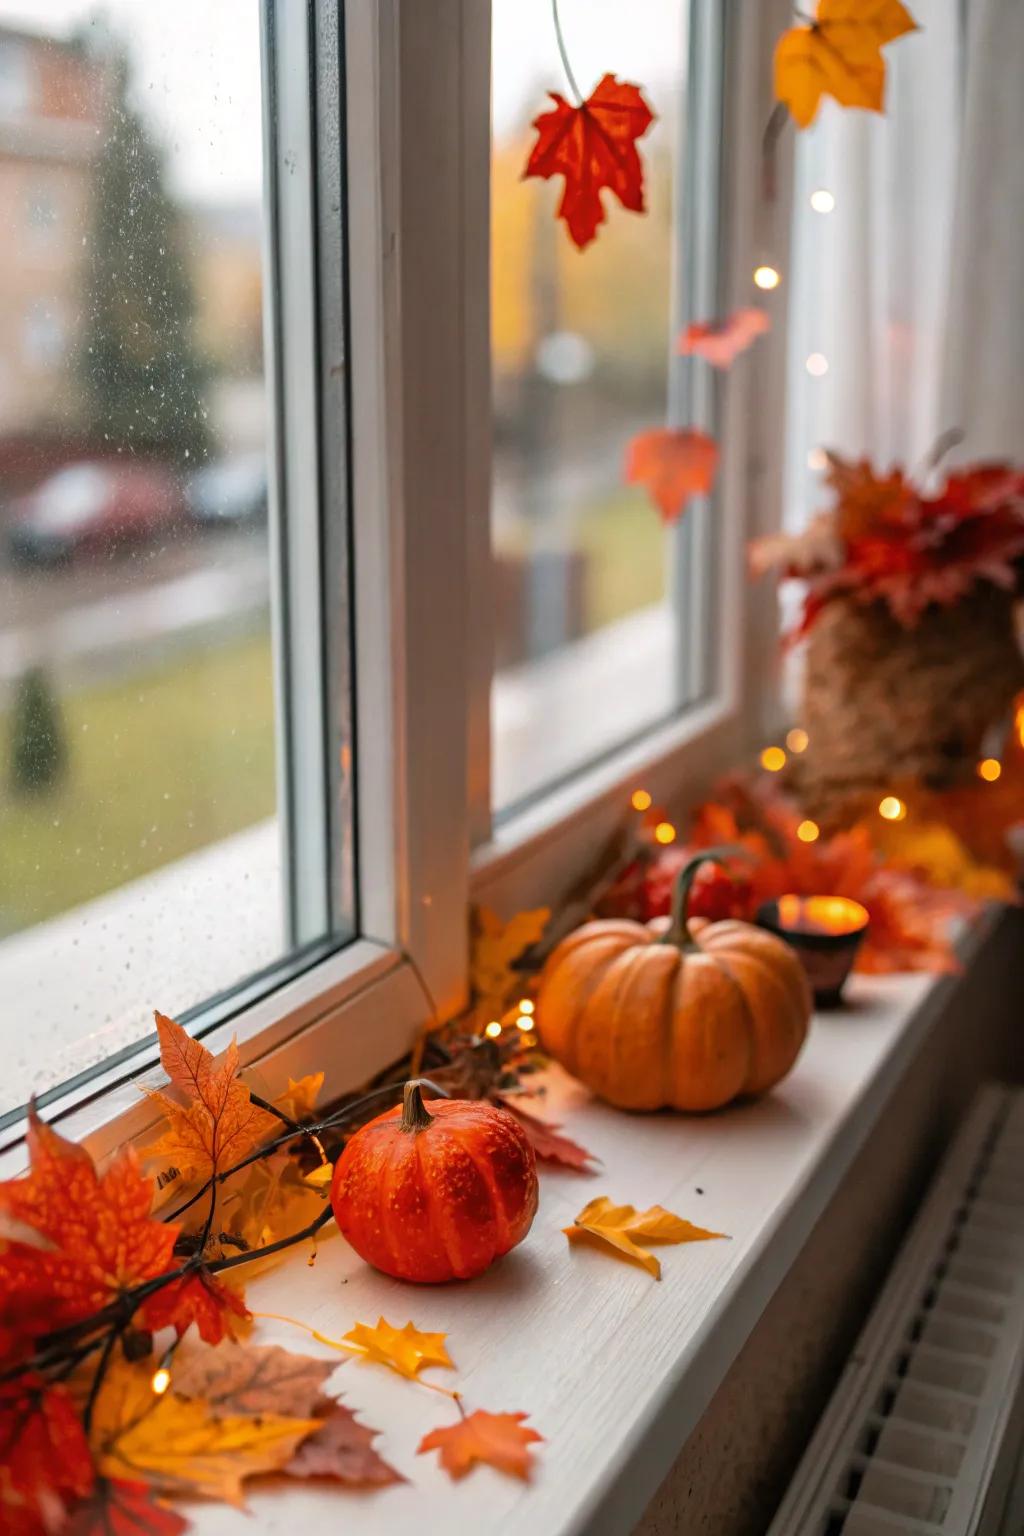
<point x="825" y="931"/>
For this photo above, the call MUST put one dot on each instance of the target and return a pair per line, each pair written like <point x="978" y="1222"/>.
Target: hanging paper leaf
<point x="99" y="1233"/>
<point x="673" y="465"/>
<point x="500" y="1440"/>
<point x="622" y="1229"/>
<point x="406" y="1350"/>
<point x="720" y="342"/>
<point x="594" y="147"/>
<point x="220" y="1123"/>
<point x="838" y="54"/>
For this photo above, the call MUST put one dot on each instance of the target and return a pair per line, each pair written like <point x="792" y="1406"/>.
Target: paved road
<point x="61" y="617"/>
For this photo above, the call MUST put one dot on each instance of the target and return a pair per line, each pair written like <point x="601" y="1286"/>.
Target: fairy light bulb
<point x="822" y="200"/>
<point x="891" y="808"/>
<point x="772" y="759"/>
<point x="524" y="1022"/>
<point x="797" y="740"/>
<point x="493" y="1030"/>
<point x="160" y="1381"/>
<point x="665" y="833"/>
<point x="527" y="1005"/>
<point x="640" y="800"/>
<point x="989" y="769"/>
<point x="767" y="277"/>
<point x="817" y="365"/>
<point x="808" y="831"/>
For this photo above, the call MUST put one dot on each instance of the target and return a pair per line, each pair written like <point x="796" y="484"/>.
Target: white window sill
<point x="613" y="1369"/>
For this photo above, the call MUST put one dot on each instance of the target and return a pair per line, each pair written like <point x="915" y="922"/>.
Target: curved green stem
<point x="678" y="933"/>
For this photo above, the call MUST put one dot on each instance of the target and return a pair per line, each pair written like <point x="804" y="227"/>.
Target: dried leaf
<point x="100" y="1235"/>
<point x="406" y="1350"/>
<point x="342" y="1449"/>
<point x="117" y="1508"/>
<point x="321" y="1177"/>
<point x="593" y="146"/>
<point x="178" y="1445"/>
<point x="252" y="1378"/>
<point x="544" y="1138"/>
<point x="499" y="1439"/>
<point x="673" y="465"/>
<point x="720" y="342"/>
<point x="496" y="947"/>
<point x="622" y="1229"/>
<point x="215" y="1306"/>
<point x="220" y="1124"/>
<point x="44" y="1455"/>
<point x="300" y="1099"/>
<point x="271" y="1199"/>
<point x="838" y="54"/>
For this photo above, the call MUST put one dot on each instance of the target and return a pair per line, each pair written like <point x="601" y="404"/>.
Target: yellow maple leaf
<point x="299" y="1100"/>
<point x="269" y="1200"/>
<point x="406" y="1350"/>
<point x="838" y="54"/>
<point x="177" y="1445"/>
<point x="220" y="1124"/>
<point x="622" y="1229"/>
<point x="496" y="946"/>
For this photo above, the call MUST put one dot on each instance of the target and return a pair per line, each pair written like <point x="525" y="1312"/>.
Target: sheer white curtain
<point x="869" y="281"/>
<point x="912" y="288"/>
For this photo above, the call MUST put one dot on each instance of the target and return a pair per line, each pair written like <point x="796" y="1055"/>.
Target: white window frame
<point x="417" y="173"/>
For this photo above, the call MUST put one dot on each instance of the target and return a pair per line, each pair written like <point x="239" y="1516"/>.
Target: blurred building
<point x="51" y="110"/>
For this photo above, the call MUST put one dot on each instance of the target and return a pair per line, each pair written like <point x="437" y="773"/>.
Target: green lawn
<point x="159" y="765"/>
<point x="624" y="541"/>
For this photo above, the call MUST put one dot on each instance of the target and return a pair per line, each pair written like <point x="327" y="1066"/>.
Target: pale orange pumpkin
<point x="673" y="1014"/>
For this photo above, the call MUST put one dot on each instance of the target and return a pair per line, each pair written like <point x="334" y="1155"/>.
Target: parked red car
<point x="95" y="508"/>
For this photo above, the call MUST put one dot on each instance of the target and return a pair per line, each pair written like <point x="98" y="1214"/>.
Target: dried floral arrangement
<point x="887" y="540"/>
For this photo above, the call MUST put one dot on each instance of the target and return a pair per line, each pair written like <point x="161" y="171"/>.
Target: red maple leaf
<point x="720" y="342"/>
<point x="198" y="1298"/>
<point x="101" y="1237"/>
<point x="44" y="1455"/>
<point x="119" y="1508"/>
<point x="545" y="1140"/>
<point x="673" y="465"/>
<point x="593" y="146"/>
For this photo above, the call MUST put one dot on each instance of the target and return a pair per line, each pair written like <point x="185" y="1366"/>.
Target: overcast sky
<point x="197" y="68"/>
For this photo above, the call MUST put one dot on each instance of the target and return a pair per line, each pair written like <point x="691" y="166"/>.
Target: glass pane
<point x="142" y="862"/>
<point x="588" y="647"/>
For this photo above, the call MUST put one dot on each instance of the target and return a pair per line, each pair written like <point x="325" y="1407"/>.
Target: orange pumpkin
<point x="670" y="1014"/>
<point x="436" y="1191"/>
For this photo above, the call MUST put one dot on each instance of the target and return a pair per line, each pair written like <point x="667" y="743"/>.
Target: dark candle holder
<point x="825" y="932"/>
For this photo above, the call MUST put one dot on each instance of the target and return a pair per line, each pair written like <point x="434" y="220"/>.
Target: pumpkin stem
<point x="678" y="932"/>
<point x="415" y="1114"/>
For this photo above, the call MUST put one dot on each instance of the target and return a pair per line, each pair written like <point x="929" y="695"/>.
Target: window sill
<point x="613" y="1369"/>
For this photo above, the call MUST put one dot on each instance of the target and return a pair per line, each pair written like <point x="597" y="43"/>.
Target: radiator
<point x="923" y="1434"/>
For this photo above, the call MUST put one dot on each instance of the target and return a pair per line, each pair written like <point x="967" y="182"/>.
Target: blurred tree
<point x="39" y="751"/>
<point x="142" y="372"/>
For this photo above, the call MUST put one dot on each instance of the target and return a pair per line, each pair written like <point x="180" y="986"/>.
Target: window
<point x="595" y="617"/>
<point x="174" y="818"/>
<point x="305" y="642"/>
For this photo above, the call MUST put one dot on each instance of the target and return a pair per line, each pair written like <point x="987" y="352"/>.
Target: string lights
<point x="640" y="800"/>
<point x="493" y="1030"/>
<point x="817" y="365"/>
<point x="772" y="759"/>
<point x="822" y="200"/>
<point x="767" y="277"/>
<point x="160" y="1381"/>
<point x="989" y="769"/>
<point x="664" y="833"/>
<point x="797" y="740"/>
<point x="892" y="808"/>
<point x="808" y="831"/>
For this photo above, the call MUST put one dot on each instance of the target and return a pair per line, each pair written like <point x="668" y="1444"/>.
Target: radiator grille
<point x="923" y="1433"/>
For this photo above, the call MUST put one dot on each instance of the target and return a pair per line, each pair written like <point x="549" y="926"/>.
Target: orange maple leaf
<point x="720" y="342"/>
<point x="838" y="54"/>
<point x="673" y="465"/>
<point x="198" y="1298"/>
<point x="499" y="1439"/>
<point x="593" y="146"/>
<point x="102" y="1239"/>
<point x="221" y="1123"/>
<point x="44" y="1455"/>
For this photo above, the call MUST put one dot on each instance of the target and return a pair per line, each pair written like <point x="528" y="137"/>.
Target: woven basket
<point x="884" y="704"/>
